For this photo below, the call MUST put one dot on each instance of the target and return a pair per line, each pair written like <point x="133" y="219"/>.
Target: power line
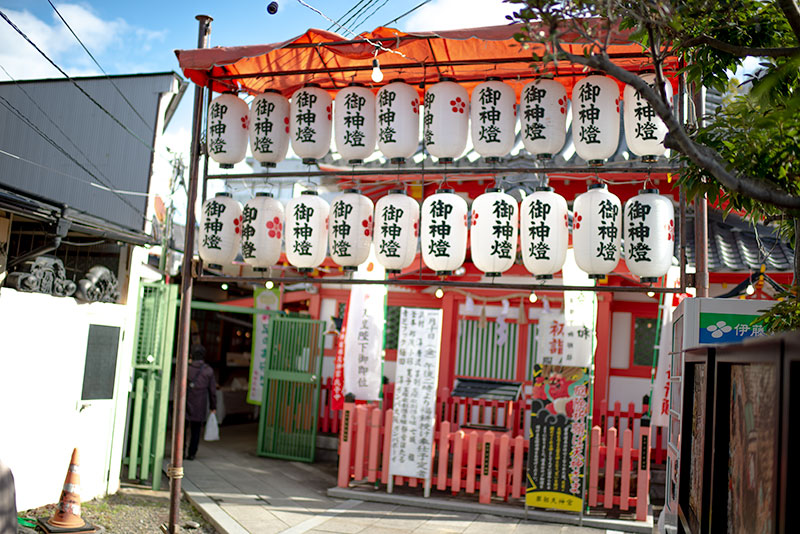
<point x="355" y="15"/>
<point x="346" y="13"/>
<point x="406" y="13"/>
<point x="364" y="20"/>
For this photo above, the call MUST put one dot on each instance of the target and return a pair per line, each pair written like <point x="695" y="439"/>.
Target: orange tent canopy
<point x="468" y="56"/>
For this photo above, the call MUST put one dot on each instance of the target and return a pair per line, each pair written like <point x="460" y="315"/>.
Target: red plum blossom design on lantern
<point x="237" y="225"/>
<point x="367" y="224"/>
<point x="275" y="227"/>
<point x="245" y="122"/>
<point x="458" y="105"/>
<point x="576" y="221"/>
<point x="670" y="227"/>
<point x="415" y="105"/>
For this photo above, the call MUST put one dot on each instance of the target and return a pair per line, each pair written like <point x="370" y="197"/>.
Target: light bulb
<point x="224" y="287"/>
<point x="532" y="297"/>
<point x="439" y="292"/>
<point x="270" y="284"/>
<point x="377" y="75"/>
<point x="750" y="289"/>
<point x="651" y="294"/>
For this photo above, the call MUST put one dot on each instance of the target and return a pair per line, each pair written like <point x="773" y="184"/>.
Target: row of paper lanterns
<point x="350" y="225"/>
<point x="360" y="119"/>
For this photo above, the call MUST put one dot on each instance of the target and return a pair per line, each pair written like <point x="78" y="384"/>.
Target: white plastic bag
<point x="212" y="428"/>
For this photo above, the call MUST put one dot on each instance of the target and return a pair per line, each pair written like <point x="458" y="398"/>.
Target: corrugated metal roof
<point x="110" y="151"/>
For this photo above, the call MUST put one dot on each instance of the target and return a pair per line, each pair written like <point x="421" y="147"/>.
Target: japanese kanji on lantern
<point x="543" y="116"/>
<point x="446" y="120"/>
<point x="493" y="236"/>
<point x="649" y="234"/>
<point x="220" y="230"/>
<point x="493" y="116"/>
<point x="310" y="123"/>
<point x="306" y="231"/>
<point x="444" y="231"/>
<point x="644" y="130"/>
<point x="226" y="135"/>
<point x="398" y="121"/>
<point x="396" y="230"/>
<point x="269" y="127"/>
<point x="262" y="231"/>
<point x="596" y="230"/>
<point x="595" y="118"/>
<point x="350" y="234"/>
<point x="544" y="227"/>
<point x="354" y="119"/>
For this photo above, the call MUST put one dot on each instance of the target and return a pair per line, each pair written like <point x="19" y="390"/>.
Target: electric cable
<point x="407" y="13"/>
<point x="345" y="14"/>
<point x="355" y="15"/>
<point x="363" y="21"/>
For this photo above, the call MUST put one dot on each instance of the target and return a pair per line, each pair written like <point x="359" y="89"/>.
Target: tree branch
<point x="792" y="12"/>
<point x="739" y="51"/>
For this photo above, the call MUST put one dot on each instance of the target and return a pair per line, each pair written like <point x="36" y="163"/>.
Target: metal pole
<point x="700" y="215"/>
<point x="175" y="472"/>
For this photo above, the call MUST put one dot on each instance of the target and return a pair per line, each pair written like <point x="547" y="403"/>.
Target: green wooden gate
<point x="287" y="425"/>
<point x="152" y="364"/>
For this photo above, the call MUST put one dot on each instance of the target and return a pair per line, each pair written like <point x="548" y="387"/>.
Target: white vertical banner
<point x="659" y="410"/>
<point x="418" y="349"/>
<point x="580" y="312"/>
<point x="363" y="341"/>
<point x="264" y="299"/>
<point x="550" y="339"/>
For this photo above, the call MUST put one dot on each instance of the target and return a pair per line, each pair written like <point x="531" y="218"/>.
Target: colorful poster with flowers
<point x="559" y="424"/>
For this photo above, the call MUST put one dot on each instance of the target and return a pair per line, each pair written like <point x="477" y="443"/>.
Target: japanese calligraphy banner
<point x="559" y="422"/>
<point x="580" y="310"/>
<point x="550" y="339"/>
<point x="363" y="341"/>
<point x="418" y="349"/>
<point x="264" y="299"/>
<point x="660" y="406"/>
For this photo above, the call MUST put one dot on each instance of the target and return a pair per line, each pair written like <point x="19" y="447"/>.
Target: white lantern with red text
<point x="649" y="234"/>
<point x="596" y="231"/>
<point x="398" y="121"/>
<point x="262" y="231"/>
<point x="350" y="229"/>
<point x="226" y="134"/>
<point x="444" y="231"/>
<point x="595" y="118"/>
<point x="396" y="230"/>
<point x="644" y="130"/>
<point x="306" y="231"/>
<point x="493" y="235"/>
<point x="310" y="123"/>
<point x="493" y="118"/>
<point x="543" y="115"/>
<point x="354" y="119"/>
<point x="269" y="127"/>
<point x="446" y="120"/>
<point x="220" y="230"/>
<point x="544" y="229"/>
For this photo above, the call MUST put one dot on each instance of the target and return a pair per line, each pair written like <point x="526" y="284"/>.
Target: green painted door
<point x="152" y="364"/>
<point x="287" y="426"/>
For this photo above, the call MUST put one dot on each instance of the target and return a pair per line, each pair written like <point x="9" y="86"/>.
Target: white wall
<point x="626" y="389"/>
<point x="41" y="378"/>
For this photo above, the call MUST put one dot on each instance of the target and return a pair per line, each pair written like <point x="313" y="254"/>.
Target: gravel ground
<point x="132" y="510"/>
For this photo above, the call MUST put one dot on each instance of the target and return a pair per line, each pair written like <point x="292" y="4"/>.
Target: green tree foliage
<point x="747" y="155"/>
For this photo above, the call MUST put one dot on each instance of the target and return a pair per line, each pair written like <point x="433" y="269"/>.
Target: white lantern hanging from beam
<point x="306" y="231"/>
<point x="493" y="118"/>
<point x="269" y="127"/>
<point x="493" y="235"/>
<point x="354" y="120"/>
<point x="644" y="130"/>
<point x="220" y="230"/>
<point x="310" y="123"/>
<point x="595" y="118"/>
<point x="226" y="133"/>
<point x="396" y="230"/>
<point x="398" y="121"/>
<point x="350" y="229"/>
<point x="444" y="231"/>
<point x="596" y="231"/>
<point x="262" y="231"/>
<point x="649" y="234"/>
<point x="446" y="120"/>
<point x="543" y="116"/>
<point x="544" y="227"/>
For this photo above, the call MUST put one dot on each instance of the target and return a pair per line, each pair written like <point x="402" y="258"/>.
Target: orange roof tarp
<point x="469" y="56"/>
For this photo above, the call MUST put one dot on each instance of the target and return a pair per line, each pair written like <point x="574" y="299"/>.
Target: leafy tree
<point x="747" y="155"/>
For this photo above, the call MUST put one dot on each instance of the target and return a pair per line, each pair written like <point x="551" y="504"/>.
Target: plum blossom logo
<point x="670" y="228"/>
<point x="237" y="225"/>
<point x="458" y="105"/>
<point x="245" y="122"/>
<point x="475" y="218"/>
<point x="566" y="220"/>
<point x="274" y="227"/>
<point x="415" y="105"/>
<point x="719" y="329"/>
<point x="286" y="122"/>
<point x="576" y="221"/>
<point x="367" y="224"/>
<point x="563" y="103"/>
<point x="328" y="109"/>
<point x="416" y="228"/>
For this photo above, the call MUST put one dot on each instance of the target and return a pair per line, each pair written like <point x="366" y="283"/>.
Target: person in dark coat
<point x="201" y="392"/>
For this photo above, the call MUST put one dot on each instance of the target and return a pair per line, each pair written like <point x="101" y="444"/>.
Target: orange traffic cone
<point x="68" y="513"/>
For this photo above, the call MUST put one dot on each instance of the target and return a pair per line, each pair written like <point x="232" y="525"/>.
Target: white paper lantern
<point x="644" y="130"/>
<point x="220" y="230"/>
<point x="306" y="231"/>
<point x="269" y="127"/>
<point x="446" y="120"/>
<point x="649" y="234"/>
<point x="398" y="121"/>
<point x="543" y="115"/>
<point x="226" y="134"/>
<point x="396" y="230"/>
<point x="355" y="128"/>
<point x="493" y="116"/>
<point x="444" y="231"/>
<point x="310" y="123"/>
<point x="595" y="118"/>
<point x="493" y="236"/>
<point x="350" y="229"/>
<point x="596" y="230"/>
<point x="544" y="228"/>
<point x="262" y="231"/>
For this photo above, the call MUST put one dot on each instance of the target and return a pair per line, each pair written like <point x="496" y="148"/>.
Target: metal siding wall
<point x="479" y="355"/>
<point x="123" y="160"/>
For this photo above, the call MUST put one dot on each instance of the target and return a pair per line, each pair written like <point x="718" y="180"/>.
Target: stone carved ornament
<point x="98" y="285"/>
<point x="47" y="276"/>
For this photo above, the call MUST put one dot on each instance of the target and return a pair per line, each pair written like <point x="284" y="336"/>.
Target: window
<point x="644" y="339"/>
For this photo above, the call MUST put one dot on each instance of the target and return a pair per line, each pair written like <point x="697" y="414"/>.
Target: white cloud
<point x="456" y="14"/>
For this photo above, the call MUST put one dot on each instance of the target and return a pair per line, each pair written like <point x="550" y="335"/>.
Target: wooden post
<point x="602" y="355"/>
<point x="444" y="442"/>
<point x="361" y="441"/>
<point x="594" y="465"/>
<point x="485" y="495"/>
<point x="643" y="478"/>
<point x="374" y="442"/>
<point x="345" y="445"/>
<point x="625" y="483"/>
<point x="502" y="467"/>
<point x="387" y="447"/>
<point x="611" y="461"/>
